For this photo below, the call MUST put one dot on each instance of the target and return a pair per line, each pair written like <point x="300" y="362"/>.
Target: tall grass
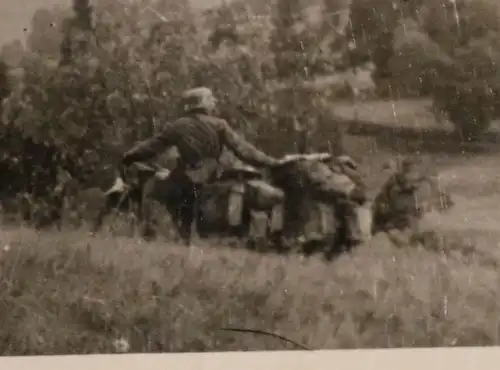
<point x="71" y="293"/>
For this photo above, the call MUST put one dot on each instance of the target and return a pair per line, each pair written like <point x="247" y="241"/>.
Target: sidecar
<point x="307" y="223"/>
<point x="240" y="203"/>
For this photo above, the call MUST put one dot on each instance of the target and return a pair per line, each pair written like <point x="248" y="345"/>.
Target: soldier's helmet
<point x="199" y="98"/>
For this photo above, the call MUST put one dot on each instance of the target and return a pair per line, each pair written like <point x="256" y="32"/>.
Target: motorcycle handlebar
<point x="290" y="158"/>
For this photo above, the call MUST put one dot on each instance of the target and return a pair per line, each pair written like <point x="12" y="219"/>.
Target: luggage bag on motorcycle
<point x="222" y="202"/>
<point x="266" y="208"/>
<point x="262" y="195"/>
<point x="221" y="205"/>
<point x="319" y="223"/>
<point x="308" y="220"/>
<point x="233" y="204"/>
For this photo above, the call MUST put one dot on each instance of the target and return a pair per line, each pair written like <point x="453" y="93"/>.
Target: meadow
<point x="71" y="293"/>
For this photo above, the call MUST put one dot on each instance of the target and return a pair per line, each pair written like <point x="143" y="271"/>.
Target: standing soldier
<point x="200" y="138"/>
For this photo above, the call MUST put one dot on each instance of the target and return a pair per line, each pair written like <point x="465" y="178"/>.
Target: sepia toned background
<point x="423" y="84"/>
<point x="16" y="15"/>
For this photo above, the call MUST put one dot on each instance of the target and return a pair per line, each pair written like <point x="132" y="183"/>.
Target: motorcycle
<point x="238" y="204"/>
<point x="241" y="203"/>
<point x="260" y="207"/>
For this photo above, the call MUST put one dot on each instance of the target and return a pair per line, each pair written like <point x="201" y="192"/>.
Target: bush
<point x="416" y="44"/>
<point x="122" y="77"/>
<point x="468" y="106"/>
<point x="5" y="84"/>
<point x="468" y="35"/>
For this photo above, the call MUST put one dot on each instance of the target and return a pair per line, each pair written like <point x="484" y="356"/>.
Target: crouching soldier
<point x="398" y="208"/>
<point x="200" y="138"/>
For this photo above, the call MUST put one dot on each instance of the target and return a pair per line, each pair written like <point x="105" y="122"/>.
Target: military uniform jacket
<point x="200" y="140"/>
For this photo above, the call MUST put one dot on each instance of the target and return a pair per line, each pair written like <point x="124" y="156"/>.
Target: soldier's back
<point x="198" y="137"/>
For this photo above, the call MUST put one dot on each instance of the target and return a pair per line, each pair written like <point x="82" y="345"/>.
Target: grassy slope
<point x="69" y="293"/>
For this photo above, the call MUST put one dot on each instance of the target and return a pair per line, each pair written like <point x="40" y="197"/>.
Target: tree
<point x="455" y="23"/>
<point x="12" y="53"/>
<point x="5" y="85"/>
<point x="338" y="36"/>
<point x="45" y="34"/>
<point x="417" y="61"/>
<point x="287" y="41"/>
<point x="468" y="87"/>
<point x="83" y="14"/>
<point x="225" y="27"/>
<point x="77" y="31"/>
<point x="373" y="24"/>
<point x="336" y="15"/>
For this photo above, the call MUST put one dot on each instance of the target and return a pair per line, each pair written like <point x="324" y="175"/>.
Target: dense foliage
<point x="94" y="79"/>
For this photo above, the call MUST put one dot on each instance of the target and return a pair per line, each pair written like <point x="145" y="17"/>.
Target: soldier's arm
<point x="153" y="146"/>
<point x="243" y="149"/>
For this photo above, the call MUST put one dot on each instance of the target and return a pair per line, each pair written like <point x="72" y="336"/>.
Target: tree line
<point x="93" y="79"/>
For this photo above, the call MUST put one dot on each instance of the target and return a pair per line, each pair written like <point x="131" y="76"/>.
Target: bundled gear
<point x="242" y="203"/>
<point x="325" y="199"/>
<point x="341" y="185"/>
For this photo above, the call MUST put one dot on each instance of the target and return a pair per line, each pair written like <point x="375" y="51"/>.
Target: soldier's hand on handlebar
<point x="285" y="160"/>
<point x="290" y="158"/>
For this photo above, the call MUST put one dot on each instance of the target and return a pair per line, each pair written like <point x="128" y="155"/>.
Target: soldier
<point x="396" y="209"/>
<point x="200" y="138"/>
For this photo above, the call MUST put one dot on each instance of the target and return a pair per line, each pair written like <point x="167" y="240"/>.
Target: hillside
<point x="71" y="293"/>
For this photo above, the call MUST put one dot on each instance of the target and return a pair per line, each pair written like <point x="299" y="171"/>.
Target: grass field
<point x="71" y="293"/>
<point x="414" y="113"/>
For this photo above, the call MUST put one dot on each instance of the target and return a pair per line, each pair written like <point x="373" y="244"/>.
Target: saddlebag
<point x="263" y="196"/>
<point x="235" y="205"/>
<point x="222" y="203"/>
<point x="259" y="223"/>
<point x="320" y="222"/>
